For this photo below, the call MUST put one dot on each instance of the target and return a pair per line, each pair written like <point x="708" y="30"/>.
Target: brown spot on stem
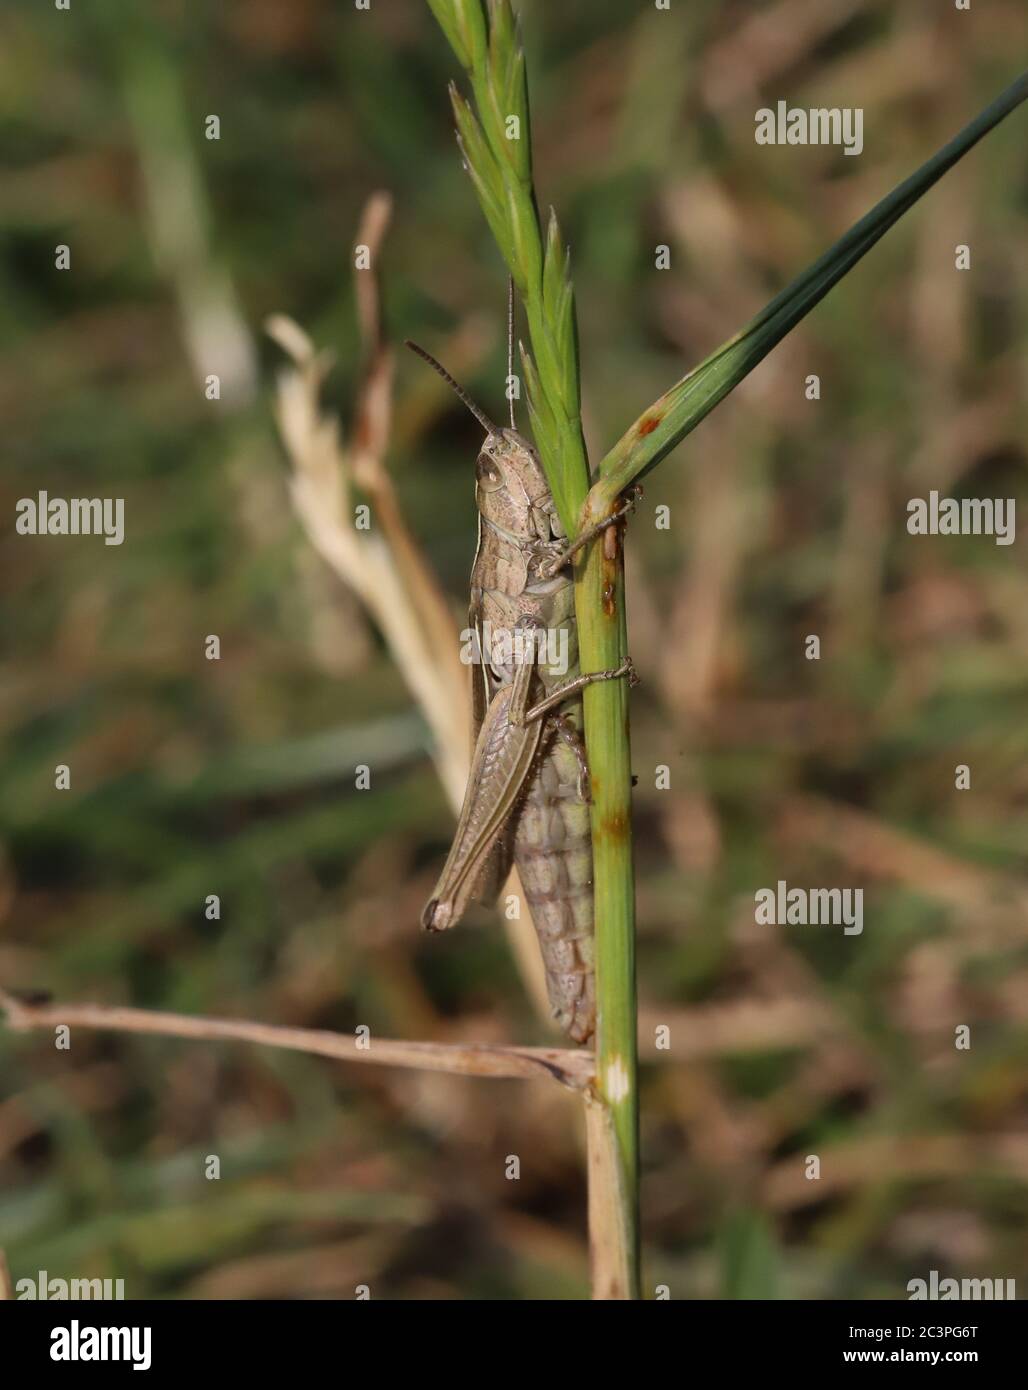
<point x="648" y="424"/>
<point x="614" y="827"/>
<point x="608" y="600"/>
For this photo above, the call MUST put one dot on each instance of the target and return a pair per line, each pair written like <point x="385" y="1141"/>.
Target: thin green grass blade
<point x="680" y="409"/>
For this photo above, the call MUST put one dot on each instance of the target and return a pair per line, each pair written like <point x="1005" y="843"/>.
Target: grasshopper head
<point x="510" y="486"/>
<point x="511" y="490"/>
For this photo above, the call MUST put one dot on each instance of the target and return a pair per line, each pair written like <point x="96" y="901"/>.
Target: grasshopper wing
<point x="503" y="757"/>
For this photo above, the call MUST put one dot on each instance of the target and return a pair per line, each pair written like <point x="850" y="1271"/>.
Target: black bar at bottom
<point x="312" y="1339"/>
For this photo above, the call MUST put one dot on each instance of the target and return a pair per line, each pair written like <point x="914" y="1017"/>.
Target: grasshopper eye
<point x="488" y="474"/>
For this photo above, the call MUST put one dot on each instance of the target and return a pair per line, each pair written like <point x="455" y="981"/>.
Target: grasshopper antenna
<point x="510" y="348"/>
<point x="480" y="415"/>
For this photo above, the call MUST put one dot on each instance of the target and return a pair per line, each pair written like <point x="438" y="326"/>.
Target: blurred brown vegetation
<point x="235" y="777"/>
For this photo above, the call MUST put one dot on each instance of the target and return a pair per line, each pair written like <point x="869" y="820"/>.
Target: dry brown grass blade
<point x="571" y="1067"/>
<point x="884" y="851"/>
<point x="924" y="1158"/>
<point x="384" y="566"/>
<point x="737" y="1028"/>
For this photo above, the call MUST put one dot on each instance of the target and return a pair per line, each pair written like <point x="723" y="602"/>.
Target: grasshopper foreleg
<point x="628" y="501"/>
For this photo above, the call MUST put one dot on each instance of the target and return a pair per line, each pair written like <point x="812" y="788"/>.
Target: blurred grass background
<point x="236" y="777"/>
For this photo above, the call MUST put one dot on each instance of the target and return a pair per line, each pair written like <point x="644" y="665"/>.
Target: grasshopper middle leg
<point x="572" y="687"/>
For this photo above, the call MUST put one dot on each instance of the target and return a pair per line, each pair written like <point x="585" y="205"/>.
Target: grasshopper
<point x="527" y="798"/>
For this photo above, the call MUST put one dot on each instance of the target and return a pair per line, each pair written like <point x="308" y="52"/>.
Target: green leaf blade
<point x="660" y="428"/>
